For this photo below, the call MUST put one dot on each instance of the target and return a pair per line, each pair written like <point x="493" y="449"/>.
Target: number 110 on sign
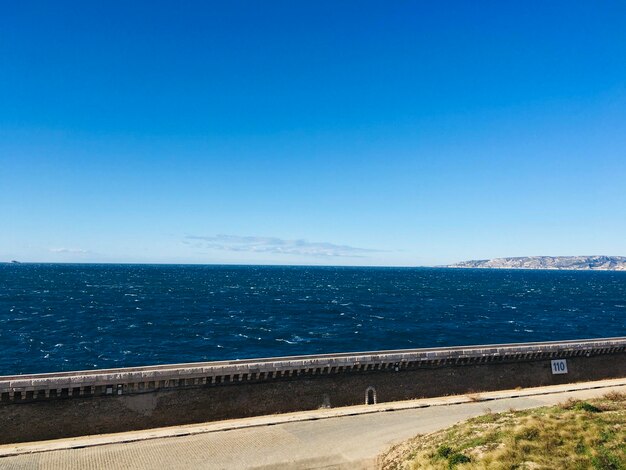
<point x="559" y="366"/>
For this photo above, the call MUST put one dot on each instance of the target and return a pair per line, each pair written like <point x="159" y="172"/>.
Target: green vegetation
<point x="573" y="435"/>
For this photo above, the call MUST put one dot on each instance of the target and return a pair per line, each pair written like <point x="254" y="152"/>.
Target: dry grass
<point x="573" y="435"/>
<point x="474" y="397"/>
<point x="615" y="396"/>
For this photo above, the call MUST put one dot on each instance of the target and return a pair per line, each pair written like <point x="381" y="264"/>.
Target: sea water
<point x="56" y="317"/>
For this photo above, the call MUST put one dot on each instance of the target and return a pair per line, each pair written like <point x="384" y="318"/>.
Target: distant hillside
<point x="588" y="263"/>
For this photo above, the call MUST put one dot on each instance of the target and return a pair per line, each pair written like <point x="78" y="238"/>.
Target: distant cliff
<point x="588" y="263"/>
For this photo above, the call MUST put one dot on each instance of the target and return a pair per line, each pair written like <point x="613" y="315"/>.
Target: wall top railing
<point x="320" y="363"/>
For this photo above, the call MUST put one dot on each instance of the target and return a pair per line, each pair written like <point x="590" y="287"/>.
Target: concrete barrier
<point x="45" y="406"/>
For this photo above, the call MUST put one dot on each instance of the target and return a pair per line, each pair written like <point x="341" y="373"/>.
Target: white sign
<point x="559" y="366"/>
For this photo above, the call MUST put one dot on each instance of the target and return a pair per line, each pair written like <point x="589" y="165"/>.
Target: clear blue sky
<point x="359" y="133"/>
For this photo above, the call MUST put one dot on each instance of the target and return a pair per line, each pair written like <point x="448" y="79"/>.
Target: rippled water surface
<point x="69" y="317"/>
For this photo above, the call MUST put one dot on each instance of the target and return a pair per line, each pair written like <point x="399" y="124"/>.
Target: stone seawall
<point x="47" y="406"/>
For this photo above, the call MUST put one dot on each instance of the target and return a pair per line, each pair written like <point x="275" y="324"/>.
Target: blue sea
<point x="56" y="317"/>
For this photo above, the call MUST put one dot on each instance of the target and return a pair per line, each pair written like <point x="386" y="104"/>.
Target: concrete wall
<point x="47" y="406"/>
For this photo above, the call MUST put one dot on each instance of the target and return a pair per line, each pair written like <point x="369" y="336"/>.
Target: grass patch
<point x="573" y="435"/>
<point x="580" y="406"/>
<point x="475" y="397"/>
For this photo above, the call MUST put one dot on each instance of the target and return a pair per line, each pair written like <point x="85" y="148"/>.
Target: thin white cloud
<point x="276" y="245"/>
<point x="69" y="250"/>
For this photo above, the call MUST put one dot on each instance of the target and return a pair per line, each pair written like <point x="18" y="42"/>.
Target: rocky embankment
<point x="588" y="263"/>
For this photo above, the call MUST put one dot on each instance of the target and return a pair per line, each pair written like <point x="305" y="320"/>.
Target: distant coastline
<point x="577" y="263"/>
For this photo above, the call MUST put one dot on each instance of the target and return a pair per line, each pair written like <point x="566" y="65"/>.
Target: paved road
<point x="351" y="441"/>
